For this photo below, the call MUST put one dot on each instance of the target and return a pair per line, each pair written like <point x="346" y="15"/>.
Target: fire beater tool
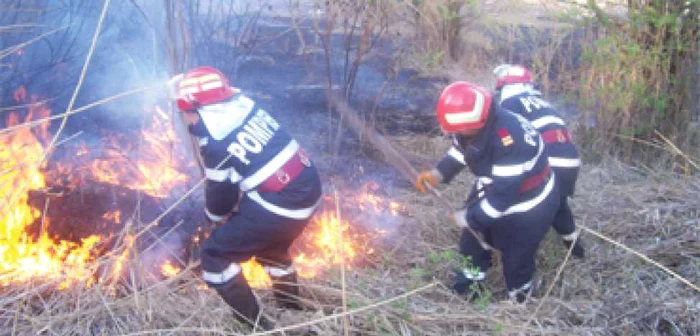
<point x="392" y="156"/>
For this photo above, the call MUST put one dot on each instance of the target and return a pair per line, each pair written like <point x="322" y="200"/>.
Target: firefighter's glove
<point x="172" y="85"/>
<point x="459" y="217"/>
<point x="428" y="178"/>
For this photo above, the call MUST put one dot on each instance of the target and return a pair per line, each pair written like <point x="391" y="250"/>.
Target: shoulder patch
<point x="506" y="139"/>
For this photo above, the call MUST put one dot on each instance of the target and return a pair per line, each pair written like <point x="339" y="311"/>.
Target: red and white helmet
<point x="511" y="74"/>
<point x="463" y="106"/>
<point x="202" y="86"/>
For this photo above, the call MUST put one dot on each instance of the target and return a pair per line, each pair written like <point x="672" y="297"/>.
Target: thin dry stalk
<point x="25" y="25"/>
<point x="554" y="282"/>
<point x="10" y="50"/>
<point x="179" y="201"/>
<point x="83" y="72"/>
<point x="351" y="312"/>
<point x="13" y="108"/>
<point x="78" y="110"/>
<point x="346" y="323"/>
<point x="677" y="150"/>
<point x="642" y="256"/>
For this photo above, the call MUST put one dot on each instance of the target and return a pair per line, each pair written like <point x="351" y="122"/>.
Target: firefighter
<point x="516" y="93"/>
<point x="261" y="190"/>
<point x="515" y="196"/>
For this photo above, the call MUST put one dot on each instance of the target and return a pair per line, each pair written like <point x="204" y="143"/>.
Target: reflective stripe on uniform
<point x="213" y="217"/>
<point x="473" y="275"/>
<point x="221" y="175"/>
<point x="217" y="175"/>
<point x="457" y="155"/>
<point x="278" y="272"/>
<point x="520" y="168"/>
<point x="270" y="167"/>
<point x="564" y="162"/>
<point x="222" y="277"/>
<point x="289" y="213"/>
<point x="235" y="176"/>
<point x="524" y="289"/>
<point x="490" y="211"/>
<point x="481" y="183"/>
<point x="571" y="236"/>
<point x="547" y="120"/>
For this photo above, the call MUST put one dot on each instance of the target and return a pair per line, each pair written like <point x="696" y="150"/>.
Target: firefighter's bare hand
<point x="428" y="178"/>
<point x="460" y="218"/>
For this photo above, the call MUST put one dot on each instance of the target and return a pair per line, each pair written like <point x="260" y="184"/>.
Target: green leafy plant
<point x="636" y="76"/>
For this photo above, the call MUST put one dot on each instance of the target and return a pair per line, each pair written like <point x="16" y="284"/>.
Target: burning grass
<point x="612" y="292"/>
<point x="398" y="286"/>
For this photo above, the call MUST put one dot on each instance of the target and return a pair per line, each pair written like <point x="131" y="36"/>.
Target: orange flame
<point x="326" y="243"/>
<point x="255" y="274"/>
<point x="23" y="256"/>
<point x="20" y="94"/>
<point x="169" y="270"/>
<point x="367" y="199"/>
<point x="26" y="254"/>
<point x="115" y="216"/>
<point x="156" y="171"/>
<point x="332" y="243"/>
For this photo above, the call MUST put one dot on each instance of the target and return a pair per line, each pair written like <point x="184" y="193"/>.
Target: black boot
<point x="578" y="251"/>
<point x="520" y="296"/>
<point x="237" y="294"/>
<point x="471" y="286"/>
<point x="286" y="291"/>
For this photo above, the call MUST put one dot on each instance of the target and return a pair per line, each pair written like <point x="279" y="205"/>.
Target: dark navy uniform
<point x="257" y="166"/>
<point x="513" y="200"/>
<point x="522" y="99"/>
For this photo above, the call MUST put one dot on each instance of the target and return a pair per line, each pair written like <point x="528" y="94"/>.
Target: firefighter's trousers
<point x="253" y="231"/>
<point x="563" y="222"/>
<point x="517" y="237"/>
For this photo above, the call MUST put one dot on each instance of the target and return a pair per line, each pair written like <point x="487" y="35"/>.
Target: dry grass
<point x="403" y="289"/>
<point x="612" y="292"/>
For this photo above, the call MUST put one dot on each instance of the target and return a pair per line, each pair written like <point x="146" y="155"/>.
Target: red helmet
<point x="463" y="106"/>
<point x="511" y="74"/>
<point x="202" y="86"/>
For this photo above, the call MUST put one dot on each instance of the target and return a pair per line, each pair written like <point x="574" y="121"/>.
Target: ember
<point x="368" y="199"/>
<point x="169" y="269"/>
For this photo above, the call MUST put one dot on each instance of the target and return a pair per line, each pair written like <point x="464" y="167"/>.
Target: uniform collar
<point x="222" y="118"/>
<point x="198" y="129"/>
<point x="511" y="90"/>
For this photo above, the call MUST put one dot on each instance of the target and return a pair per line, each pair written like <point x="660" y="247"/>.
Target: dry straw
<point x="606" y="296"/>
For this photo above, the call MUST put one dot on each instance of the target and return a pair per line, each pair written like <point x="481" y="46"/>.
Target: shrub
<point x="637" y="76"/>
